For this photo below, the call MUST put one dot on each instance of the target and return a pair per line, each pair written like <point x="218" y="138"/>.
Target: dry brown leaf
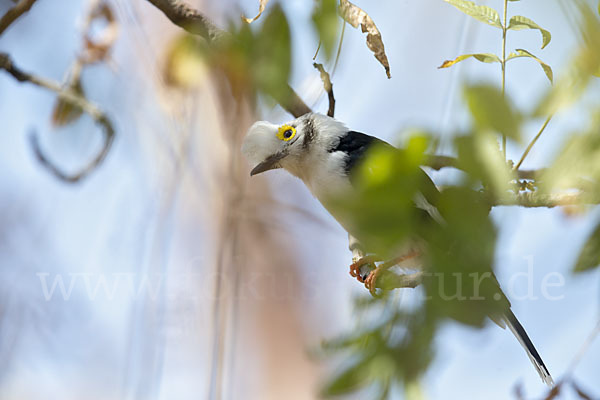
<point x="65" y="112"/>
<point x="355" y="16"/>
<point x="261" y="8"/>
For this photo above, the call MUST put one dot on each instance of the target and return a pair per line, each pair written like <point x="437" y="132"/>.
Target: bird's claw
<point x="371" y="280"/>
<point x="358" y="266"/>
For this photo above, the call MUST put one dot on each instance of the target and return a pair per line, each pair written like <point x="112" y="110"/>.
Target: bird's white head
<point x="268" y="146"/>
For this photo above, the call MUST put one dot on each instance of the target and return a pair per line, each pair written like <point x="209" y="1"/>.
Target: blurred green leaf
<point x="481" y="13"/>
<point x="483" y="57"/>
<point x="524" y="53"/>
<point x="585" y="63"/>
<point x="589" y="257"/>
<point x="185" y="65"/>
<point x="350" y="379"/>
<point x="326" y="21"/>
<point x="459" y="257"/>
<point x="577" y="165"/>
<point x="383" y="209"/>
<point x="480" y="157"/>
<point x="519" y="22"/>
<point x="272" y="57"/>
<point x="491" y="110"/>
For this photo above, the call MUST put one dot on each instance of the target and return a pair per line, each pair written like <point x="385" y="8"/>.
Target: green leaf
<point x="524" y="53"/>
<point x="481" y="158"/>
<point x="349" y="380"/>
<point x="483" y="57"/>
<point x="589" y="257"/>
<point x="576" y="165"/>
<point x="481" y="13"/>
<point x="185" y="66"/>
<point x="272" y="54"/>
<point x="519" y="22"/>
<point x="326" y="21"/>
<point x="491" y="110"/>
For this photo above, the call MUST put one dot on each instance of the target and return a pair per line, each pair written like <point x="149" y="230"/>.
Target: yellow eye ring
<point x="286" y="133"/>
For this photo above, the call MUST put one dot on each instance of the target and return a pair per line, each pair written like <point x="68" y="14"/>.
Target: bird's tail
<point x="517" y="329"/>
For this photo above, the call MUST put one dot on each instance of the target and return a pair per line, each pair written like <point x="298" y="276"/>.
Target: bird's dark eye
<point x="288" y="134"/>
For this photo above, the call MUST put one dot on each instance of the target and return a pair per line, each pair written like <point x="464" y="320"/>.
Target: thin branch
<point x="328" y="86"/>
<point x="438" y="162"/>
<point x="533" y="142"/>
<point x="533" y="200"/>
<point x="197" y="23"/>
<point x="317" y="52"/>
<point x="74" y="99"/>
<point x="11" y="15"/>
<point x="339" y="50"/>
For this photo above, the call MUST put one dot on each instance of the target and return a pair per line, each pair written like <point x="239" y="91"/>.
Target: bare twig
<point x="328" y="86"/>
<point x="74" y="99"/>
<point x="196" y="23"/>
<point x="11" y="15"/>
<point x="535" y="139"/>
<point x="438" y="162"/>
<point x="391" y="280"/>
<point x="339" y="50"/>
<point x="583" y="350"/>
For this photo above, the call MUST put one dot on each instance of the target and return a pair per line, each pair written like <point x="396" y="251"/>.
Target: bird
<point x="325" y="155"/>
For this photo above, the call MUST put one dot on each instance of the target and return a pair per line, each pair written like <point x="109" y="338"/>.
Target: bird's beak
<point x="270" y="163"/>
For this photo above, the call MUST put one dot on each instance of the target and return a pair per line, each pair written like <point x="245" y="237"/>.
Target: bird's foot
<point x="358" y="267"/>
<point x="371" y="279"/>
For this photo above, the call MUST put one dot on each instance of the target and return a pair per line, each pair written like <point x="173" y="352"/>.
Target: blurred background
<point x="169" y="274"/>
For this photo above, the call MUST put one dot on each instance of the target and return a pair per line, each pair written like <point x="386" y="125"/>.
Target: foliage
<point x="459" y="283"/>
<point x="491" y="17"/>
<point x="398" y="350"/>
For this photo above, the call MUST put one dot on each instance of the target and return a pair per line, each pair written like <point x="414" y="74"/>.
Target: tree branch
<point x="74" y="99"/>
<point x="390" y="280"/>
<point x="11" y="15"/>
<point x="534" y="199"/>
<point x="197" y="23"/>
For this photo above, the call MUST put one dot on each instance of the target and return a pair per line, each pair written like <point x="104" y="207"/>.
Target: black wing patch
<point x="355" y="145"/>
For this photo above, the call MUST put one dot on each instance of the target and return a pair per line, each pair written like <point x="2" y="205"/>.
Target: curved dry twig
<point x="76" y="100"/>
<point x="11" y="15"/>
<point x="109" y="135"/>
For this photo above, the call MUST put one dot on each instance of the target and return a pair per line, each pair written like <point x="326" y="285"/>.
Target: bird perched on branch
<point x="326" y="156"/>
